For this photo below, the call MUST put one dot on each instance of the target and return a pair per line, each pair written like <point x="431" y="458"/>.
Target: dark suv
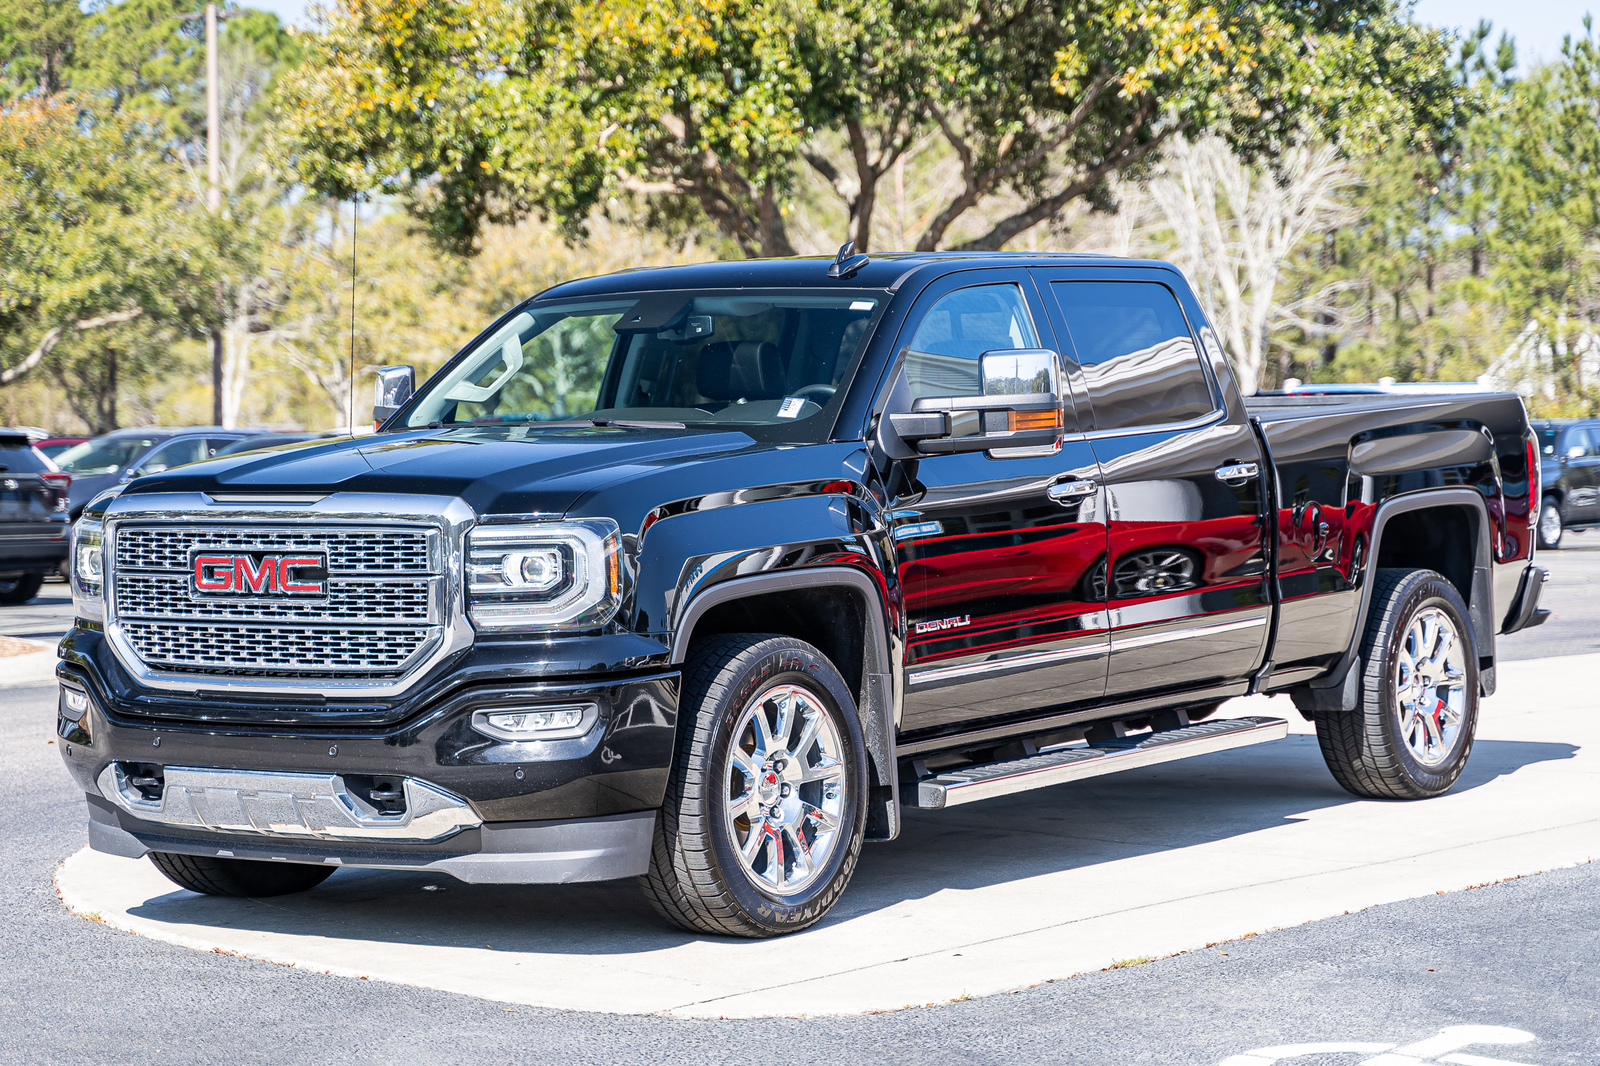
<point x="33" y="517"/>
<point x="1569" y="452"/>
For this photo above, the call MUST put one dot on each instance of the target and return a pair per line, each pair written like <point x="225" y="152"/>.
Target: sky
<point x="1538" y="25"/>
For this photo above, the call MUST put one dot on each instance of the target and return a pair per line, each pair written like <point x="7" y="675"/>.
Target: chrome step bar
<point x="972" y="783"/>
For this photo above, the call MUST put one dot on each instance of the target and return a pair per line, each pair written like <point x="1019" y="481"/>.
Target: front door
<point x="1185" y="578"/>
<point x="996" y="551"/>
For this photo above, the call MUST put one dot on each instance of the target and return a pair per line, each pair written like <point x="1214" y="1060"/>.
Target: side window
<point x="958" y="328"/>
<point x="1584" y="435"/>
<point x="1138" y="358"/>
<point x="173" y="453"/>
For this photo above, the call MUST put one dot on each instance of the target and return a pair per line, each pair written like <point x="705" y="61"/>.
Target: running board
<point x="988" y="780"/>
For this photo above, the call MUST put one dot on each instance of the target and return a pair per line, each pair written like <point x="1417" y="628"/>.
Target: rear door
<point x="1186" y="578"/>
<point x="995" y="551"/>
<point x="1583" y="474"/>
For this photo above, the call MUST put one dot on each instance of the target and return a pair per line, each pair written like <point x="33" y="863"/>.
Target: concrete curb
<point x="972" y="901"/>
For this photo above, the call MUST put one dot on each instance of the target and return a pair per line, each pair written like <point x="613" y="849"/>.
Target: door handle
<point x="1065" y="492"/>
<point x="1238" y="471"/>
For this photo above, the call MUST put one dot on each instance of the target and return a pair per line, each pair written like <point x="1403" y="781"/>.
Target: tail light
<point x="60" y="482"/>
<point x="1535" y="481"/>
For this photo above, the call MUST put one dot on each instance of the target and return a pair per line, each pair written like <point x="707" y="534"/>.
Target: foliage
<point x="483" y="111"/>
<point x="95" y="227"/>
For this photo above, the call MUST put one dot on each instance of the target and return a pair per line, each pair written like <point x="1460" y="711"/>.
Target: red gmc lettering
<point x="214" y="573"/>
<point x="254" y="578"/>
<point x="286" y="583"/>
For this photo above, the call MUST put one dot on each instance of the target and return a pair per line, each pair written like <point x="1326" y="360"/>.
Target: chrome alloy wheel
<point x="1431" y="687"/>
<point x="785" y="788"/>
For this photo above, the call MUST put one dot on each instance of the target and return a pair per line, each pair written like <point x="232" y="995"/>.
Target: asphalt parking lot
<point x="1392" y="984"/>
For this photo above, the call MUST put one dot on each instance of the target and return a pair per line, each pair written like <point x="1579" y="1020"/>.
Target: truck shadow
<point x="1069" y="827"/>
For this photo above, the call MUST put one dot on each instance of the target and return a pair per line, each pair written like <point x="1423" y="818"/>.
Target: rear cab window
<point x="1139" y="360"/>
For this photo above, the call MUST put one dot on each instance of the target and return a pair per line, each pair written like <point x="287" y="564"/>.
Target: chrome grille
<point x="167" y="596"/>
<point x="323" y="650"/>
<point x="350" y="551"/>
<point x="381" y="613"/>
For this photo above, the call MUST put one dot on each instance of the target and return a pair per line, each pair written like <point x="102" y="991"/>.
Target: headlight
<point x="88" y="569"/>
<point x="544" y="575"/>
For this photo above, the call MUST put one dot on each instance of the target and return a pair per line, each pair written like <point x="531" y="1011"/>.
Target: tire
<point x="1551" y="526"/>
<point x="702" y="877"/>
<point x="21" y="588"/>
<point x="1383" y="750"/>
<point x="239" y="877"/>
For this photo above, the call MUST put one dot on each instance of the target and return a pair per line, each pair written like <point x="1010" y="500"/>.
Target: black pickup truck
<point x="700" y="574"/>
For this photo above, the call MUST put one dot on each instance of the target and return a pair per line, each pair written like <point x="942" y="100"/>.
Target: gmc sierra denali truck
<point x="700" y="574"/>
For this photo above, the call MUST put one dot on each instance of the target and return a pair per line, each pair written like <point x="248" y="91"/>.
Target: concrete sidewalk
<point x="976" y="900"/>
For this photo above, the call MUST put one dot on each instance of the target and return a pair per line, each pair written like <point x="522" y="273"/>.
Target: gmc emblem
<point x="225" y="573"/>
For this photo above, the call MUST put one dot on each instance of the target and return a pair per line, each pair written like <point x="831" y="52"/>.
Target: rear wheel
<point x="20" y="588"/>
<point x="213" y="876"/>
<point x="1550" y="524"/>
<point x="1412" y="733"/>
<point x="766" y="807"/>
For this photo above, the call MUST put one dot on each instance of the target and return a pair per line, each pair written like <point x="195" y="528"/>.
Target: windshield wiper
<point x="630" y="423"/>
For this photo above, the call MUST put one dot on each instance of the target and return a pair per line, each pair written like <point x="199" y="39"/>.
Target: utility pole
<point x="213" y="172"/>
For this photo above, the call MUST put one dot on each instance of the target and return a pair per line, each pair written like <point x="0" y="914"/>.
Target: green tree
<point x="94" y="232"/>
<point x="485" y="110"/>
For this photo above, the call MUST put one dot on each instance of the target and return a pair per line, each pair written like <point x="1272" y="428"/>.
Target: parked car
<point x="124" y="454"/>
<point x="1569" y="485"/>
<point x="266" y="440"/>
<point x="699" y="574"/>
<point x="33" y="517"/>
<point x="54" y="446"/>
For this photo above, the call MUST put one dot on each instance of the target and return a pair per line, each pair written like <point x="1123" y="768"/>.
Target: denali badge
<point x="944" y="623"/>
<point x="225" y="573"/>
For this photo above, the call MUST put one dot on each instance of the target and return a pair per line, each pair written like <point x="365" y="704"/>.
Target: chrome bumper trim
<point x="1073" y="764"/>
<point x="314" y="806"/>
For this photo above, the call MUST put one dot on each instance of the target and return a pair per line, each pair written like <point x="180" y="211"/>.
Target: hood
<point x="495" y="470"/>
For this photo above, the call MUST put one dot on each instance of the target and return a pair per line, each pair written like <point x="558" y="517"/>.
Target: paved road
<point x="1517" y="955"/>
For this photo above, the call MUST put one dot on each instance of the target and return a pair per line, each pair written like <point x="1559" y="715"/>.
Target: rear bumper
<point x="40" y="554"/>
<point x="1525" y="611"/>
<point x="551" y="852"/>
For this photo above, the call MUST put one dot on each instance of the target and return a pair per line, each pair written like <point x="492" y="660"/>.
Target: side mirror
<point x="1574" y="452"/>
<point x="1020" y="407"/>
<point x="395" y="385"/>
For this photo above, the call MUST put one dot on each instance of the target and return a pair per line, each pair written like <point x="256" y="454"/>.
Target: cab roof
<point x="887" y="271"/>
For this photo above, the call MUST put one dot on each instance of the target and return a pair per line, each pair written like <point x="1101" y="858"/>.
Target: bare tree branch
<point x="53" y="337"/>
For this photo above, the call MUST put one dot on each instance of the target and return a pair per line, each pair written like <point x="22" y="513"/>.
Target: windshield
<point x="104" y="456"/>
<point x="755" y="359"/>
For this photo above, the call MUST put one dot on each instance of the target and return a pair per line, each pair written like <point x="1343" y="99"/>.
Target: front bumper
<point x="551" y="852"/>
<point x="475" y="806"/>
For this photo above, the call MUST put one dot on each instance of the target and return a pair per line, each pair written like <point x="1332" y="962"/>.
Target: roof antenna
<point x="846" y="263"/>
<point x="350" y="379"/>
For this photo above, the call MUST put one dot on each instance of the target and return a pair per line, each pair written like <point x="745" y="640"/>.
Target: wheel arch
<point x="1446" y="530"/>
<point x="840" y="611"/>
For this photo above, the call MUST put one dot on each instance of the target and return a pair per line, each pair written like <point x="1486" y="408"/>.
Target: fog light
<point x="548" y="722"/>
<point x="75" y="702"/>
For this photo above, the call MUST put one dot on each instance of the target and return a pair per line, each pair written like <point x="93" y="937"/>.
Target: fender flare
<point x="877" y="681"/>
<point x="1344" y="678"/>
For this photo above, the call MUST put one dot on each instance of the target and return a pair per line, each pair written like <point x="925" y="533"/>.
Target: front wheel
<point x="766" y="807"/>
<point x="1550" y="524"/>
<point x="212" y="876"/>
<point x="1412" y="733"/>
